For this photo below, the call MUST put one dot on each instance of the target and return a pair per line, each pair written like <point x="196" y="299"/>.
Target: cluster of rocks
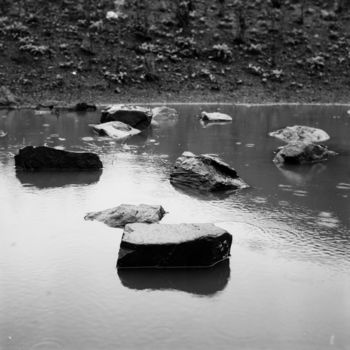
<point x="146" y="242"/>
<point x="302" y="145"/>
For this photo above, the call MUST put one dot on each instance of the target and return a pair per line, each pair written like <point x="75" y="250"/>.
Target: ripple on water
<point x="343" y="186"/>
<point x="48" y="344"/>
<point x="327" y="219"/>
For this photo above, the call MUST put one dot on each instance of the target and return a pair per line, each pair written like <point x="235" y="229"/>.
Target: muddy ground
<point x="256" y="51"/>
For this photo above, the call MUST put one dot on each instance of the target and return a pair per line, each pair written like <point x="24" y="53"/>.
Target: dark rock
<point x="128" y="214"/>
<point x="173" y="245"/>
<point x="45" y="158"/>
<point x="7" y="98"/>
<point x="116" y="130"/>
<point x="84" y="107"/>
<point x="205" y="172"/>
<point x="135" y="116"/>
<point x="195" y="281"/>
<point x="301" y="152"/>
<point x="300" y="133"/>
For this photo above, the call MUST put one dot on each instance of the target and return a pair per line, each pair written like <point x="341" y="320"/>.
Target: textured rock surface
<point x="300" y="133"/>
<point x="135" y="116"/>
<point x="215" y="116"/>
<point x="300" y="153"/>
<point x="205" y="172"/>
<point x="127" y="214"/>
<point x="45" y="158"/>
<point x="117" y="130"/>
<point x="164" y="116"/>
<point x="176" y="245"/>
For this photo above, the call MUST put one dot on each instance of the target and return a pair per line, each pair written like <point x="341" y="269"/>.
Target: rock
<point x="117" y="130"/>
<point x="195" y="281"/>
<point x="135" y="116"/>
<point x="164" y="116"/>
<point x="328" y="15"/>
<point x="205" y="172"/>
<point x="7" y="98"/>
<point x="46" y="158"/>
<point x="128" y="214"/>
<point x="3" y="133"/>
<point x="84" y="107"/>
<point x="300" y="133"/>
<point x="215" y="116"/>
<point x="300" y="152"/>
<point x="173" y="245"/>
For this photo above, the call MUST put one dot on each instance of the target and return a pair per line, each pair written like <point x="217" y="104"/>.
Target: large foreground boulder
<point x="116" y="130"/>
<point x="46" y="158"/>
<point x="302" y="133"/>
<point x="127" y="214"/>
<point x="164" y="116"/>
<point x="205" y="172"/>
<point x="135" y="116"/>
<point x="215" y="117"/>
<point x="195" y="281"/>
<point x="301" y="153"/>
<point x="173" y="245"/>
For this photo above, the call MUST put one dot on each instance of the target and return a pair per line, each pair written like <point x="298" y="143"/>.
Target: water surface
<point x="286" y="286"/>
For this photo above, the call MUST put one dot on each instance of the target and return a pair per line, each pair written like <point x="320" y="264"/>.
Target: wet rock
<point x="116" y="130"/>
<point x="46" y="158"/>
<point x="128" y="214"/>
<point x="215" y="116"/>
<point x="300" y="153"/>
<point x="135" y="116"/>
<point x="164" y="116"/>
<point x="173" y="245"/>
<point x="205" y="172"/>
<point x="302" y="133"/>
<point x="7" y="98"/>
<point x="84" y="107"/>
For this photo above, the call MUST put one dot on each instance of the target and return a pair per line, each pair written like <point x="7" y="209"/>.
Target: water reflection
<point x="52" y="179"/>
<point x="204" y="282"/>
<point x="301" y="174"/>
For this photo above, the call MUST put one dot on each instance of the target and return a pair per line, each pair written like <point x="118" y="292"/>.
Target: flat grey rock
<point x="173" y="245"/>
<point x="116" y="130"/>
<point x="164" y="116"/>
<point x="128" y="213"/>
<point x="215" y="117"/>
<point x="300" y="133"/>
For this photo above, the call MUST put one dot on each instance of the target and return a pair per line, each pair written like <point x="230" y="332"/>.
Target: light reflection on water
<point x="287" y="284"/>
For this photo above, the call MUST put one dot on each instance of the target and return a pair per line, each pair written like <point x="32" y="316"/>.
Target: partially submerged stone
<point x="301" y="153"/>
<point x="300" y="133"/>
<point x="164" y="116"/>
<point x="173" y="245"/>
<point x="116" y="130"/>
<point x="7" y="98"/>
<point x="135" y="116"/>
<point x="46" y="158"/>
<point x="215" y="117"/>
<point x="205" y="172"/>
<point x="127" y="214"/>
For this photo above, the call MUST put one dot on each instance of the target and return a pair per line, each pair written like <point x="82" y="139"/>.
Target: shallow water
<point x="286" y="286"/>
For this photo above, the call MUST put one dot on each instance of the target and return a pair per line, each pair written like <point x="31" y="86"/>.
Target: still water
<point x="286" y="286"/>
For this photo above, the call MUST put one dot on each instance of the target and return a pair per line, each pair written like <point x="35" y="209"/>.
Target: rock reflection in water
<point x="52" y="179"/>
<point x="204" y="282"/>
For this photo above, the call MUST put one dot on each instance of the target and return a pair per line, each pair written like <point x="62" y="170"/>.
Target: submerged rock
<point x="117" y="130"/>
<point x="135" y="116"/>
<point x="3" y="133"/>
<point x="7" y="98"/>
<point x="206" y="172"/>
<point x="301" y="153"/>
<point x="215" y="117"/>
<point x="173" y="245"/>
<point x="127" y="214"/>
<point x="164" y="116"/>
<point x="45" y="158"/>
<point x="306" y="134"/>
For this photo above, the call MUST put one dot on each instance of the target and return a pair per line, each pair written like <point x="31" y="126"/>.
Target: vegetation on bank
<point x="155" y="50"/>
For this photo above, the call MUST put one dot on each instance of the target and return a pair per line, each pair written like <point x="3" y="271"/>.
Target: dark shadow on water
<point x="203" y="281"/>
<point x="52" y="179"/>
